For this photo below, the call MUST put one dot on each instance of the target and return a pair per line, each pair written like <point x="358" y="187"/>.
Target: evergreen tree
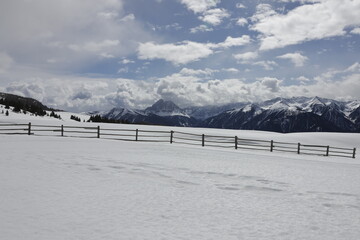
<point x="53" y="114"/>
<point x="16" y="109"/>
<point x="73" y="117"/>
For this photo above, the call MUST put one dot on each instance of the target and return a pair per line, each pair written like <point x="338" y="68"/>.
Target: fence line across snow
<point x="179" y="137"/>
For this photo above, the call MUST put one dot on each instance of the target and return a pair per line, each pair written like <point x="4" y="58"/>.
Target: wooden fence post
<point x="298" y="151"/>
<point x="136" y="134"/>
<point x="98" y="131"/>
<point x="62" y="130"/>
<point x="327" y="151"/>
<point x="354" y="152"/>
<point x="171" y="136"/>
<point x="29" y="129"/>
<point x="271" y="145"/>
<point x="203" y="140"/>
<point x="236" y="142"/>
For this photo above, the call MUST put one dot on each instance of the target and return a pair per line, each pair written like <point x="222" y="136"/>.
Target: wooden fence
<point x="178" y="137"/>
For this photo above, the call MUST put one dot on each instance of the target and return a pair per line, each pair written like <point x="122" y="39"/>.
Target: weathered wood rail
<point x="177" y="137"/>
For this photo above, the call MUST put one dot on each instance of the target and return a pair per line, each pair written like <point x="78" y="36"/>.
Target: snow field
<point x="29" y="117"/>
<point x="70" y="188"/>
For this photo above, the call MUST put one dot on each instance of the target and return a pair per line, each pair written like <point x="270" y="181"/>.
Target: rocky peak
<point x="164" y="108"/>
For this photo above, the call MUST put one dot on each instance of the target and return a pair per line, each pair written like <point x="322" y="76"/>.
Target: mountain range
<point x="297" y="114"/>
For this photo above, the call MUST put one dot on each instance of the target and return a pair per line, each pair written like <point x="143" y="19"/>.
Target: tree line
<point x="19" y="106"/>
<point x="99" y="118"/>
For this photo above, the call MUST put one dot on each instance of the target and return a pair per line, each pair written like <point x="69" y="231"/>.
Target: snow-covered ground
<point x="29" y="117"/>
<point x="72" y="188"/>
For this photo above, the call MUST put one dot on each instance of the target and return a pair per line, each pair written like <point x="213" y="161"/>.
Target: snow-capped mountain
<point x="298" y="114"/>
<point x="160" y="113"/>
<point x="292" y="115"/>
<point x="165" y="108"/>
<point x="125" y="114"/>
<point x="205" y="112"/>
<point x="355" y="117"/>
<point x="234" y="119"/>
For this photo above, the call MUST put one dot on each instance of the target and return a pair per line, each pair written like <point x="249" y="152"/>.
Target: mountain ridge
<point x="297" y="114"/>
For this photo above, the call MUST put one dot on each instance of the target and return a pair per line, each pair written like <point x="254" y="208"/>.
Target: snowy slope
<point x="28" y="117"/>
<point x="68" y="188"/>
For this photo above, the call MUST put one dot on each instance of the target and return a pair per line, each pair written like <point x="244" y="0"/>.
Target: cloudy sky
<point x="83" y="55"/>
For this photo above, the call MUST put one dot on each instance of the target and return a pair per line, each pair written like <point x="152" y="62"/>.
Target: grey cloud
<point x="82" y="94"/>
<point x="271" y="83"/>
<point x="70" y="33"/>
<point x="5" y="62"/>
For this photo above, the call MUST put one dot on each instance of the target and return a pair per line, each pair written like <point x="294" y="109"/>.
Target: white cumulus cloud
<point x="246" y="57"/>
<point x="242" y="22"/>
<point x="267" y="65"/>
<point x="129" y="17"/>
<point x="231" y="70"/>
<point x="303" y="79"/>
<point x="187" y="51"/>
<point x="317" y="20"/>
<point x="214" y="16"/>
<point x="197" y="72"/>
<point x="199" y="6"/>
<point x="181" y="53"/>
<point x="355" y="30"/>
<point x="201" y="28"/>
<point x="126" y="61"/>
<point x="296" y="58"/>
<point x="231" y="42"/>
<point x="207" y="11"/>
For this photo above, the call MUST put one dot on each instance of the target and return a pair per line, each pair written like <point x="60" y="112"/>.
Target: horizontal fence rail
<point x="175" y="137"/>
